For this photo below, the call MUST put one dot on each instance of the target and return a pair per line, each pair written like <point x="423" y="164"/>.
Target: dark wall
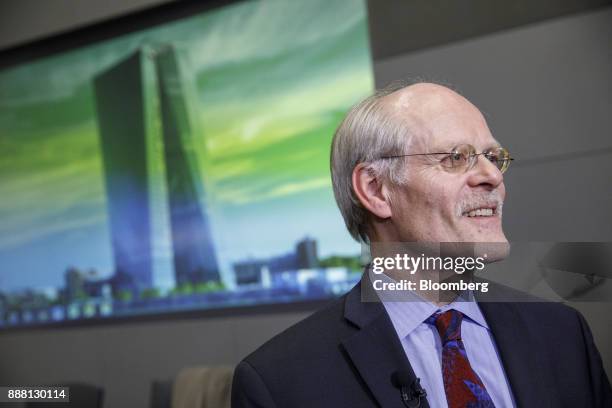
<point x="23" y="21"/>
<point x="400" y="27"/>
<point x="546" y="89"/>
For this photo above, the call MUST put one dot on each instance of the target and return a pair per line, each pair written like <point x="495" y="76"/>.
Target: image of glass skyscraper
<point x="155" y="192"/>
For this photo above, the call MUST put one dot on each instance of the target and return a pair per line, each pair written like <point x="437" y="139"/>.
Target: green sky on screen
<point x="273" y="78"/>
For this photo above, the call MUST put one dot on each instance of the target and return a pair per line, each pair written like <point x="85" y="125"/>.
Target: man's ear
<point x="371" y="191"/>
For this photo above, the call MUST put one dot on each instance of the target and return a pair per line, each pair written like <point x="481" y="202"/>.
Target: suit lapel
<point x="520" y="353"/>
<point x="375" y="350"/>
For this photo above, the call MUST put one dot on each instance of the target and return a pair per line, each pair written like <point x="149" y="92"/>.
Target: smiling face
<point x="438" y="204"/>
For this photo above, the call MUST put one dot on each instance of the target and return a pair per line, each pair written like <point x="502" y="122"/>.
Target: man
<point x="419" y="164"/>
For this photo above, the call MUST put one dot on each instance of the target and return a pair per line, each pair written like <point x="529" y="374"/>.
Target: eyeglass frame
<point x="470" y="165"/>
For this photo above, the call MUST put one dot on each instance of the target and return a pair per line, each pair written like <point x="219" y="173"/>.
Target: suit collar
<point x="359" y="305"/>
<point x="408" y="310"/>
<point x="375" y="349"/>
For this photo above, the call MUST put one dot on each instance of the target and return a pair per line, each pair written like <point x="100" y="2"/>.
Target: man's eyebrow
<point x="448" y="147"/>
<point x="493" y="145"/>
<point x="444" y="148"/>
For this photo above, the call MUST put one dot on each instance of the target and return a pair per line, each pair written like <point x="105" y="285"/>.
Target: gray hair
<point x="369" y="131"/>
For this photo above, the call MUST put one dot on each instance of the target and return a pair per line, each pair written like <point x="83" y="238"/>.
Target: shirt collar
<point x="410" y="310"/>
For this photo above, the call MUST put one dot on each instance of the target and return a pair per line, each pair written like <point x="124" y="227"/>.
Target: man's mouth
<point x="481" y="206"/>
<point x="480" y="212"/>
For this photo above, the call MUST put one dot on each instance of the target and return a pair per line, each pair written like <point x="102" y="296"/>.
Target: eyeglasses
<point x="464" y="157"/>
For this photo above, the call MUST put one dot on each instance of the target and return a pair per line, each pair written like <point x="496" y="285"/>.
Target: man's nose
<point x="484" y="173"/>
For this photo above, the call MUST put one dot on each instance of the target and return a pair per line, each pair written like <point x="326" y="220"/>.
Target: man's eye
<point x="495" y="159"/>
<point x="457" y="157"/>
<point x="452" y="160"/>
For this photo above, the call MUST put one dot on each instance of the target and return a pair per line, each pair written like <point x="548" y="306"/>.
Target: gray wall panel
<point x="567" y="200"/>
<point x="401" y="27"/>
<point x="125" y="359"/>
<point x="546" y="89"/>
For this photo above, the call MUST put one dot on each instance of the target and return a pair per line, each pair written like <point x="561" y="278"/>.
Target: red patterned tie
<point x="462" y="385"/>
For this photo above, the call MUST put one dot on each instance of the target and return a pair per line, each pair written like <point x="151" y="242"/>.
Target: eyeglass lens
<point x="465" y="156"/>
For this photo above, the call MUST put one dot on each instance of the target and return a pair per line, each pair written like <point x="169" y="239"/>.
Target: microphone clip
<point x="410" y="392"/>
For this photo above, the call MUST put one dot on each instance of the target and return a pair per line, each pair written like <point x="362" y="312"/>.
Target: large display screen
<point x="180" y="167"/>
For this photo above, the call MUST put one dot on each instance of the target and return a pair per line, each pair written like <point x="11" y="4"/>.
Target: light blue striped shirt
<point x="422" y="345"/>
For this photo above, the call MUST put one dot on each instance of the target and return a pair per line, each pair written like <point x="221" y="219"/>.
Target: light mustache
<point x="480" y="200"/>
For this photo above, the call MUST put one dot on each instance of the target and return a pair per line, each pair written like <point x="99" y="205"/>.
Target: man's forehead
<point x="439" y="118"/>
<point x="445" y="142"/>
<point x="423" y="97"/>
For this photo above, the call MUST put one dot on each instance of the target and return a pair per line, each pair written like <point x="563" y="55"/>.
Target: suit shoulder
<point x="549" y="308"/>
<point x="528" y="304"/>
<point x="551" y="317"/>
<point x="316" y="335"/>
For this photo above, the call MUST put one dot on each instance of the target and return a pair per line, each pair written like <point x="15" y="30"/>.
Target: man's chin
<point x="493" y="247"/>
<point x="492" y="251"/>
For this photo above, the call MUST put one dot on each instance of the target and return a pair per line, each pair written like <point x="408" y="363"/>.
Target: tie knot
<point x="448" y="325"/>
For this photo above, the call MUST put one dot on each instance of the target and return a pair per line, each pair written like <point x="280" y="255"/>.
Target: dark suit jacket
<point x="344" y="356"/>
